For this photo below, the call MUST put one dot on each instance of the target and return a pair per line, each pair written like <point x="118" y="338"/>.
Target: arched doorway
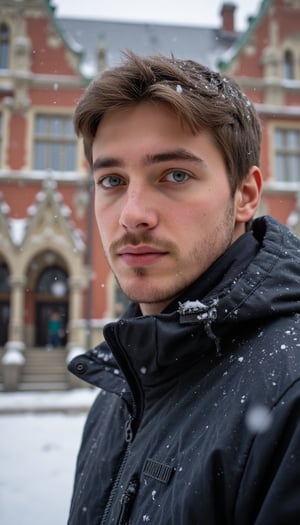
<point x="4" y="302"/>
<point x="51" y="296"/>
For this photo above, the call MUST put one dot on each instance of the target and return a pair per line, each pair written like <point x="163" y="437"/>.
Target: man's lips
<point x="140" y="255"/>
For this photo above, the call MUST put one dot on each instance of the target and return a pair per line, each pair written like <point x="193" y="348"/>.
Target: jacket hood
<point x="152" y="347"/>
<point x="270" y="285"/>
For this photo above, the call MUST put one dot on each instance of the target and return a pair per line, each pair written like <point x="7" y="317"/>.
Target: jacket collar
<point x="150" y="350"/>
<point x="154" y="349"/>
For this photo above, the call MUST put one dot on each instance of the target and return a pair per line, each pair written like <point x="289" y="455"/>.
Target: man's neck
<point x="154" y="308"/>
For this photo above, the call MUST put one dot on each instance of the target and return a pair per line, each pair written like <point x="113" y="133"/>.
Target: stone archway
<point x="47" y="237"/>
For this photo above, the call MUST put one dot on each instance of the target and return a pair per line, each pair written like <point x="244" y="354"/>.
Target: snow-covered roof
<point x="203" y="44"/>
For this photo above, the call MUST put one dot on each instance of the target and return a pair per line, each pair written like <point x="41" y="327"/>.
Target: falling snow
<point x="258" y="419"/>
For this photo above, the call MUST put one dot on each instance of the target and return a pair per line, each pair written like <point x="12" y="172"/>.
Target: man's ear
<point x="248" y="195"/>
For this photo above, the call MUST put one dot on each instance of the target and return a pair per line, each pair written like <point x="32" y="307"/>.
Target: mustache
<point x="142" y="238"/>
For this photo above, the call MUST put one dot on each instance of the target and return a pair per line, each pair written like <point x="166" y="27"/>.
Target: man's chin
<point x="149" y="295"/>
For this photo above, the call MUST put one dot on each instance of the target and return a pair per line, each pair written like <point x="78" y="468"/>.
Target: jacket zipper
<point x="128" y="439"/>
<point x="128" y="430"/>
<point x="127" y="501"/>
<point x="130" y="426"/>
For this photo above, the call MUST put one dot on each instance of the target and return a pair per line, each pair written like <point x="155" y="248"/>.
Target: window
<point x="287" y="155"/>
<point x="4" y="46"/>
<point x="55" y="143"/>
<point x="288" y="65"/>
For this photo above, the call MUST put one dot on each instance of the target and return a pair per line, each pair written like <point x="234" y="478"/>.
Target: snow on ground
<point x="72" y="400"/>
<point x="38" y="450"/>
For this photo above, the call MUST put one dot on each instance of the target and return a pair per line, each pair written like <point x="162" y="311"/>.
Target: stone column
<point x="13" y="359"/>
<point x="17" y="304"/>
<point x="75" y="285"/>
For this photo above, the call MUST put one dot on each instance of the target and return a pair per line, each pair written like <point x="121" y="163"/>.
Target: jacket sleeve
<point x="269" y="492"/>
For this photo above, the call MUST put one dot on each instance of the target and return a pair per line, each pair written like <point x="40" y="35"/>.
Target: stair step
<point x="36" y="386"/>
<point x="43" y="370"/>
<point x="30" y="377"/>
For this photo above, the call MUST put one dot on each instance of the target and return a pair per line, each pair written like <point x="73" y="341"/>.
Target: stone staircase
<point x="43" y="370"/>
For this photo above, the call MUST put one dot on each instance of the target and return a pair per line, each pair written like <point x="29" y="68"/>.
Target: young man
<point x="197" y="420"/>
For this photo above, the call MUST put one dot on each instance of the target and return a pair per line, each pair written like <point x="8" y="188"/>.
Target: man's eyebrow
<point x="155" y="158"/>
<point x="172" y="155"/>
<point x="107" y="162"/>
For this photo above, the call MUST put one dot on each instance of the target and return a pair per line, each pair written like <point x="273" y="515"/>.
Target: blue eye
<point x="177" y="176"/>
<point x="112" y="181"/>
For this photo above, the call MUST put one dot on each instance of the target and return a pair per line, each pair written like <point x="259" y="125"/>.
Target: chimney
<point x="227" y="13"/>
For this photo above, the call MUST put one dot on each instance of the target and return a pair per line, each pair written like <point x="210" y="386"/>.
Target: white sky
<point x="186" y="12"/>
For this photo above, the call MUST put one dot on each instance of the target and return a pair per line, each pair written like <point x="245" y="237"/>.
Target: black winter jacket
<point x="197" y="420"/>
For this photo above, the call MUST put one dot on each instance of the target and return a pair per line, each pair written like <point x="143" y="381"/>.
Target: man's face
<point x="163" y="202"/>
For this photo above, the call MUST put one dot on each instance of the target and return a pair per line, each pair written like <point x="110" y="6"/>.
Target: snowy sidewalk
<point x="40" y="438"/>
<point x="71" y="401"/>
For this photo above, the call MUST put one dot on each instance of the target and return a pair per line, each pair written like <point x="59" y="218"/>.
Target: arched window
<point x="4" y="46"/>
<point x="288" y="64"/>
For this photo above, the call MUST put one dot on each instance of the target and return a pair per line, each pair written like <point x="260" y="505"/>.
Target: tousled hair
<point x="203" y="99"/>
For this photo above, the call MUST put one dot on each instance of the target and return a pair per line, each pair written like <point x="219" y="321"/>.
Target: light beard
<point x="142" y="272"/>
<point x="156" y="294"/>
<point x="212" y="246"/>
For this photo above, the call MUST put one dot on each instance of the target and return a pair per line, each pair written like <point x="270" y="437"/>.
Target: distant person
<point x="55" y="330"/>
<point x="198" y="417"/>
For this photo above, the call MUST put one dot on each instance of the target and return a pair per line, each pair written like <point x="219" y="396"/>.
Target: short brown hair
<point x="202" y="98"/>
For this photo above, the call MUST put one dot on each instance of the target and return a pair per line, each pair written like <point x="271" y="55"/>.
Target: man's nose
<point x="138" y="211"/>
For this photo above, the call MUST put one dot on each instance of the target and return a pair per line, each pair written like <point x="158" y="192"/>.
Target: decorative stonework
<point x="294" y="3"/>
<point x="54" y="40"/>
<point x="22" y="53"/>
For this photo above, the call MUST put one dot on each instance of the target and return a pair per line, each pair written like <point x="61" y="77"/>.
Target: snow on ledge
<point x="13" y="357"/>
<point x="18" y="230"/>
<point x="77" y="400"/>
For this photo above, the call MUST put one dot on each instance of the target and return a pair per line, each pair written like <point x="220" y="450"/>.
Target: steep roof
<point x="203" y="44"/>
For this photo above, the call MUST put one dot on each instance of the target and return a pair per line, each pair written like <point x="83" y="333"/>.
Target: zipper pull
<point x="127" y="501"/>
<point x="128" y="430"/>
